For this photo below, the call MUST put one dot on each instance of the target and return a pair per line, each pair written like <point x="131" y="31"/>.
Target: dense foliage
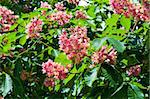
<point x="84" y="49"/>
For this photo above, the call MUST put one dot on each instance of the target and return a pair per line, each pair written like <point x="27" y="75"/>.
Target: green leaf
<point x="80" y="22"/>
<point x="134" y="92"/>
<point x="6" y="85"/>
<point x="34" y="14"/>
<point x="74" y="70"/>
<point x="6" y="47"/>
<point x="23" y="40"/>
<point x="113" y="20"/>
<point x="55" y="53"/>
<point x="108" y="77"/>
<point x="118" y="89"/>
<point x="92" y="77"/>
<point x="12" y="36"/>
<point x="62" y="58"/>
<point x="125" y="61"/>
<point x="121" y="92"/>
<point x="97" y="43"/>
<point x="125" y="22"/>
<point x="13" y="27"/>
<point x="110" y="73"/>
<point x="68" y="78"/>
<point x="132" y="59"/>
<point x="82" y="68"/>
<point x="50" y="50"/>
<point x="119" y="46"/>
<point x="91" y="11"/>
<point x="57" y="87"/>
<point x="138" y="85"/>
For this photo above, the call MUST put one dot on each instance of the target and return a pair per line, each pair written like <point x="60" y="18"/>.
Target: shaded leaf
<point x="6" y="86"/>
<point x="119" y="46"/>
<point x="92" y="77"/>
<point x="97" y="43"/>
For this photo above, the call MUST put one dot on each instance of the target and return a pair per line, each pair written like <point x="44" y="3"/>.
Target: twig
<point x="134" y="26"/>
<point x="26" y="50"/>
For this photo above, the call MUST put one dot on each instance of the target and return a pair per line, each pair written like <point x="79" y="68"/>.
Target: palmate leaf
<point x="108" y="76"/>
<point x="112" y="75"/>
<point x="127" y="92"/>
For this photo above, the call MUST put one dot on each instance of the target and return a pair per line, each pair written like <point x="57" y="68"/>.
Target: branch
<point x="134" y="26"/>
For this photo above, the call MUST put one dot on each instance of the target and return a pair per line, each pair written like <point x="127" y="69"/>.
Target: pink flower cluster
<point x="80" y="15"/>
<point x="138" y="11"/>
<point x="7" y="18"/>
<point x="74" y="43"/>
<point x="34" y="27"/>
<point x="104" y="54"/>
<point x="45" y="5"/>
<point x="135" y="70"/>
<point x="76" y="2"/>
<point x="61" y="17"/>
<point x="54" y="72"/>
<point x="49" y="82"/>
<point x="60" y="6"/>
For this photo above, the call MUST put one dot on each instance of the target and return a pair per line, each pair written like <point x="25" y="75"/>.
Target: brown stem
<point x="134" y="26"/>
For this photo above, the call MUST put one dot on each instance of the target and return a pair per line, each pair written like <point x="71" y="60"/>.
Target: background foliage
<point x="21" y="70"/>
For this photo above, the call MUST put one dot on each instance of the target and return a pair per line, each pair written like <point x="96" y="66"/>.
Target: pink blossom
<point x="59" y="6"/>
<point x="112" y="56"/>
<point x="45" y="5"/>
<point x="76" y="2"/>
<point x="99" y="56"/>
<point x="104" y="55"/>
<point x="80" y="15"/>
<point x="61" y="17"/>
<point x="134" y="70"/>
<point x="7" y="18"/>
<point x="54" y="70"/>
<point x="34" y="27"/>
<point x="49" y="82"/>
<point x="74" y="43"/>
<point x="138" y="11"/>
